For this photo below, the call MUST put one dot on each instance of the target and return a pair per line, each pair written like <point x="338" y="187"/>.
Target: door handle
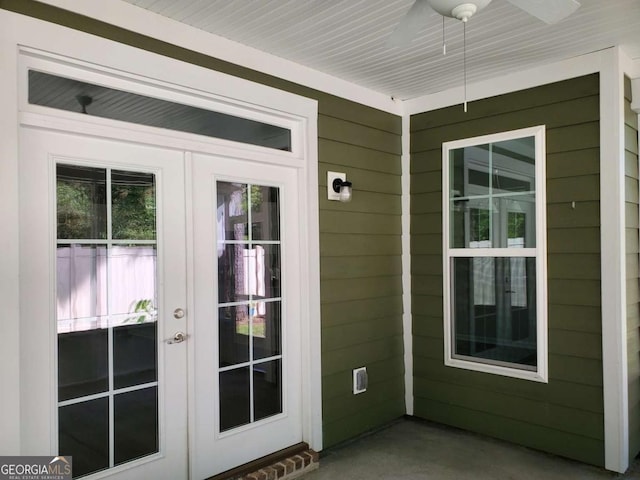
<point x="179" y="337"/>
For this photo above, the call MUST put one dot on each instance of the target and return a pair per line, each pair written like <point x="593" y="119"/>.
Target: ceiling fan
<point x="549" y="11"/>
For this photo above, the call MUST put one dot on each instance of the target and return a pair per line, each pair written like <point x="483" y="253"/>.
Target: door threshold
<point x="286" y="464"/>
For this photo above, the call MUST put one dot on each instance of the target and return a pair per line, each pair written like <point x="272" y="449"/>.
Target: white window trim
<point x="540" y="253"/>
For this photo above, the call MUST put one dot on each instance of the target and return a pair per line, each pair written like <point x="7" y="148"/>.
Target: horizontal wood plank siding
<point x="633" y="278"/>
<point x="361" y="277"/>
<point x="564" y="416"/>
<point x="360" y="242"/>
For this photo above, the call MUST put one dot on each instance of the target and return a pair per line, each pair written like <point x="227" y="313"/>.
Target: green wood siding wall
<point x="360" y="243"/>
<point x="632" y="259"/>
<point x="565" y="416"/>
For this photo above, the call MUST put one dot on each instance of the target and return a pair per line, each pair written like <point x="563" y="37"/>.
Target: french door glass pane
<point x="106" y="267"/>
<point x="132" y="285"/>
<point x="494" y="307"/>
<point x="133" y="205"/>
<point x="235" y="398"/>
<point x="83" y="363"/>
<point x="233" y="335"/>
<point x="81" y="285"/>
<point x="266" y="329"/>
<point x="265" y="218"/>
<point x="135" y="356"/>
<point x="135" y="424"/>
<point x="83" y="431"/>
<point x="81" y="202"/>
<point x="267" y="384"/>
<point x="250" y="306"/>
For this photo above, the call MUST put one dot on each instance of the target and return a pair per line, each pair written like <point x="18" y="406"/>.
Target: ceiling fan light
<point x="458" y="8"/>
<point x="464" y="12"/>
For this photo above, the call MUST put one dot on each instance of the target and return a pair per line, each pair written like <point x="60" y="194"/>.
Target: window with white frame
<point x="494" y="241"/>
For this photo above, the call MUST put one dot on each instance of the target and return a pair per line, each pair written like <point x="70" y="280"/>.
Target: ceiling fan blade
<point x="549" y="11"/>
<point x="409" y="26"/>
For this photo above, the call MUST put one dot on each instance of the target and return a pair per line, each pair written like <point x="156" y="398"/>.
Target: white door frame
<point x="96" y="60"/>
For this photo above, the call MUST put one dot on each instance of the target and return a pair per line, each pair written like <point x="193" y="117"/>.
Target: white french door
<point x="247" y="381"/>
<point x="104" y="274"/>
<point x="162" y="308"/>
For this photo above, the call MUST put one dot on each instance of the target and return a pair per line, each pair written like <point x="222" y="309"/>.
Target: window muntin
<point x="250" y="322"/>
<point x="106" y="316"/>
<point x="489" y="179"/>
<point x="494" y="254"/>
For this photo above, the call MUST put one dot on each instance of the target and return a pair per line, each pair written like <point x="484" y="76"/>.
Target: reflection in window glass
<point x="83" y="431"/>
<point x="132" y="282"/>
<point x="235" y="398"/>
<point x="487" y="182"/>
<point x="81" y="202"/>
<point x="135" y="355"/>
<point x="133" y="205"/>
<point x="516" y="229"/>
<point x="83" y="363"/>
<point x="249" y="297"/>
<point x="266" y="329"/>
<point x="106" y="315"/>
<point x="136" y="424"/>
<point x="233" y="331"/>
<point x="480" y="227"/>
<point x="494" y="309"/>
<point x="267" y="379"/>
<point x="81" y="286"/>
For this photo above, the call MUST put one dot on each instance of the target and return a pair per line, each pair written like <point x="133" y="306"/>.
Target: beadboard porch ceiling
<point x="348" y="38"/>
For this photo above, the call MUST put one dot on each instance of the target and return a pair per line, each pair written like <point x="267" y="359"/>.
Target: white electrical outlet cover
<point x="360" y="380"/>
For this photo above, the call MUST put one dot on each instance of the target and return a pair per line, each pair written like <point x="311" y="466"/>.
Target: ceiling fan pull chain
<point x="444" y="43"/>
<point x="464" y="61"/>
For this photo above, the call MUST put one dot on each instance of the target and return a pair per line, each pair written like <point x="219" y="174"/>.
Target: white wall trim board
<point x="635" y="95"/>
<point x="553" y="72"/>
<point x="9" y="245"/>
<point x="156" y="26"/>
<point x="407" y="319"/>
<point x="632" y="70"/>
<point x="613" y="285"/>
<point x="312" y="378"/>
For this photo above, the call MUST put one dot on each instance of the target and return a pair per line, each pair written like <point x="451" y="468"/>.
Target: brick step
<point x="287" y="464"/>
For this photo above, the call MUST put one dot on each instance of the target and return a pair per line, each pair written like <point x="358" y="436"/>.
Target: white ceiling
<point x="347" y="38"/>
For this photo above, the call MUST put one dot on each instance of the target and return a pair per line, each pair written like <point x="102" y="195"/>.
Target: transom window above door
<point x="63" y="93"/>
<point x="494" y="244"/>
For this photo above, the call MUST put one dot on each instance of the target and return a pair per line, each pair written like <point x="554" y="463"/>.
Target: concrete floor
<point x="412" y="450"/>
